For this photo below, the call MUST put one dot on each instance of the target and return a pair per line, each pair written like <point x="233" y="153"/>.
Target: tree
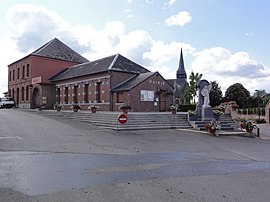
<point x="215" y="94"/>
<point x="237" y="92"/>
<point x="260" y="97"/>
<point x="186" y="98"/>
<point x="193" y="80"/>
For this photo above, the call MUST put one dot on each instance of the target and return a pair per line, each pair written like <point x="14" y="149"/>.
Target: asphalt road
<point x="45" y="158"/>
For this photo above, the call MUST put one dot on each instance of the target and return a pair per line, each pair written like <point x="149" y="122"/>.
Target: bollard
<point x="258" y="132"/>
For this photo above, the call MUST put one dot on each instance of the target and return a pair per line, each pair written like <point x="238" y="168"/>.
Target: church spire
<point x="181" y="79"/>
<point x="181" y="73"/>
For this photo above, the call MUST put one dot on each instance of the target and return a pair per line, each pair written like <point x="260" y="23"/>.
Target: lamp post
<point x="258" y="109"/>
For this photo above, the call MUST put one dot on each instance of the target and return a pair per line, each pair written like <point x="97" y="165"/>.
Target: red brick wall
<point x="133" y="97"/>
<point x="119" y="77"/>
<point x="47" y="67"/>
<point x="92" y="80"/>
<point x="38" y="67"/>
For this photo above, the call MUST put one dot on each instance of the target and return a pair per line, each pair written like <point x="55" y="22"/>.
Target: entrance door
<point x="162" y="102"/>
<point x="36" y="100"/>
<point x="18" y="96"/>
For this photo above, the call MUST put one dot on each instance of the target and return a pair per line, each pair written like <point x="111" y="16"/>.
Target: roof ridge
<point x="114" y="60"/>
<point x="44" y="46"/>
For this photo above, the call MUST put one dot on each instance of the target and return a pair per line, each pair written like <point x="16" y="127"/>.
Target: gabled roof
<point x="56" y="49"/>
<point x="133" y="81"/>
<point x="113" y="63"/>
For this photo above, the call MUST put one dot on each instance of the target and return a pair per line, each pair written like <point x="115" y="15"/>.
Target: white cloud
<point x="29" y="23"/>
<point x="169" y="3"/>
<point x="129" y="13"/>
<point x="182" y="18"/>
<point x="228" y="68"/>
<point x="249" y="34"/>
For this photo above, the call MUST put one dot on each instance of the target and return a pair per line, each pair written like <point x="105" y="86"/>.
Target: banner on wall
<point x="147" y="95"/>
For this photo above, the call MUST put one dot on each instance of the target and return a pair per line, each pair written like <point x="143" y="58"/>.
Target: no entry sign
<point x="122" y="118"/>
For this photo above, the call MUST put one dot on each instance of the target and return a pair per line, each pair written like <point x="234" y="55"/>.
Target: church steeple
<point x="181" y="78"/>
<point x="181" y="73"/>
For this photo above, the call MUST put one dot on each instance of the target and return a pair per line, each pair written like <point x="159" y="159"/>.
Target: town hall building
<point x="56" y="74"/>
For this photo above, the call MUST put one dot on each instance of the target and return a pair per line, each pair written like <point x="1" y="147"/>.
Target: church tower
<point x="181" y="79"/>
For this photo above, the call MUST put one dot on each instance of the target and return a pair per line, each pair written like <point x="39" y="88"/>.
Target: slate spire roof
<point x="111" y="63"/>
<point x="181" y="68"/>
<point x="56" y="49"/>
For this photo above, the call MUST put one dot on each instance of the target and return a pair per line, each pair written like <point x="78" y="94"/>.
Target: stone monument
<point x="203" y="110"/>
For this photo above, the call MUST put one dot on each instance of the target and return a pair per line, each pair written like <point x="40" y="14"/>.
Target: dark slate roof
<point x="56" y="49"/>
<point x="114" y="63"/>
<point x="133" y="81"/>
<point x="171" y="81"/>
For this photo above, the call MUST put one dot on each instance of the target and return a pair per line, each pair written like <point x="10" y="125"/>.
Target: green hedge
<point x="186" y="107"/>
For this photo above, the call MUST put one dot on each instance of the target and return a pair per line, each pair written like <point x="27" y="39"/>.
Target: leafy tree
<point x="215" y="94"/>
<point x="193" y="80"/>
<point x="260" y="97"/>
<point x="237" y="92"/>
<point x="186" y="98"/>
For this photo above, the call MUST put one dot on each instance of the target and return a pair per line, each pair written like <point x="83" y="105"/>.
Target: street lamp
<point x="258" y="109"/>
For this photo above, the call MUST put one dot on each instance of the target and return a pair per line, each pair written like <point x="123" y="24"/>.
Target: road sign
<point x="122" y="118"/>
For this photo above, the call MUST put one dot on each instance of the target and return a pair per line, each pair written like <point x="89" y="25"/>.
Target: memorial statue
<point x="205" y="93"/>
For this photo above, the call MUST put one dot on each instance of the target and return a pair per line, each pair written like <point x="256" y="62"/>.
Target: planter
<point x="249" y="130"/>
<point x="125" y="108"/>
<point x="94" y="110"/>
<point x="173" y="111"/>
<point x="212" y="131"/>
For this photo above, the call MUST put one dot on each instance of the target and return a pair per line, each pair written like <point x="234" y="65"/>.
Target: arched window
<point x="27" y="93"/>
<point x="22" y="93"/>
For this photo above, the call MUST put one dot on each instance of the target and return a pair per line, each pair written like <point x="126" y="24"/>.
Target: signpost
<point x="122" y="118"/>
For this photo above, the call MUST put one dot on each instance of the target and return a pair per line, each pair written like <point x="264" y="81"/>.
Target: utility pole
<point x="258" y="109"/>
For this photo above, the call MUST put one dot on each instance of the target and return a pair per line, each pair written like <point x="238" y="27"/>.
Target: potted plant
<point x="93" y="108"/>
<point x="191" y="115"/>
<point x="75" y="107"/>
<point x="58" y="107"/>
<point x="248" y="125"/>
<point x="125" y="108"/>
<point x="173" y="109"/>
<point x="212" y="126"/>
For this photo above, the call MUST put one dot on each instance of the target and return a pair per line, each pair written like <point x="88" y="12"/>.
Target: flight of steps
<point x="226" y="122"/>
<point x="136" y="120"/>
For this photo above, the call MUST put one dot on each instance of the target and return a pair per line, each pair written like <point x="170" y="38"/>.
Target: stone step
<point x="136" y="121"/>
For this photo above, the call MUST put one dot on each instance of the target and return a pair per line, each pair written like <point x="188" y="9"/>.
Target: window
<point x="120" y="97"/>
<point x="27" y="70"/>
<point x="75" y="96"/>
<point x="18" y="73"/>
<point x="22" y="93"/>
<point x="66" y="95"/>
<point x="86" y="93"/>
<point x="98" y="92"/>
<point x="13" y="75"/>
<point x="27" y="93"/>
<point x="23" y="72"/>
<point x="58" y="95"/>
<point x="9" y="75"/>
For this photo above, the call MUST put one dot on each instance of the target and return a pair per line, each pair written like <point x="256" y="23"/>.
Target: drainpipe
<point x="111" y="93"/>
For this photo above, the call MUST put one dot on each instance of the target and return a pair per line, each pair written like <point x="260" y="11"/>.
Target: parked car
<point x="6" y="102"/>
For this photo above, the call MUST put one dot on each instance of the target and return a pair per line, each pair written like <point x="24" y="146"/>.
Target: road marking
<point x="11" y="137"/>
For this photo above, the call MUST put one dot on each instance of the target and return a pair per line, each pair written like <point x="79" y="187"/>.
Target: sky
<point x="225" y="40"/>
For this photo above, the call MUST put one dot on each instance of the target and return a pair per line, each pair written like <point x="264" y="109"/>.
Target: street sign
<point x="122" y="118"/>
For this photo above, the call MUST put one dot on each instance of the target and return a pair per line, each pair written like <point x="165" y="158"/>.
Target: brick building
<point x="28" y="77"/>
<point x="56" y="74"/>
<point x="110" y="82"/>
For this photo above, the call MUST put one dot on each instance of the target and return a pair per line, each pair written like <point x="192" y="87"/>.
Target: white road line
<point x="11" y="137"/>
